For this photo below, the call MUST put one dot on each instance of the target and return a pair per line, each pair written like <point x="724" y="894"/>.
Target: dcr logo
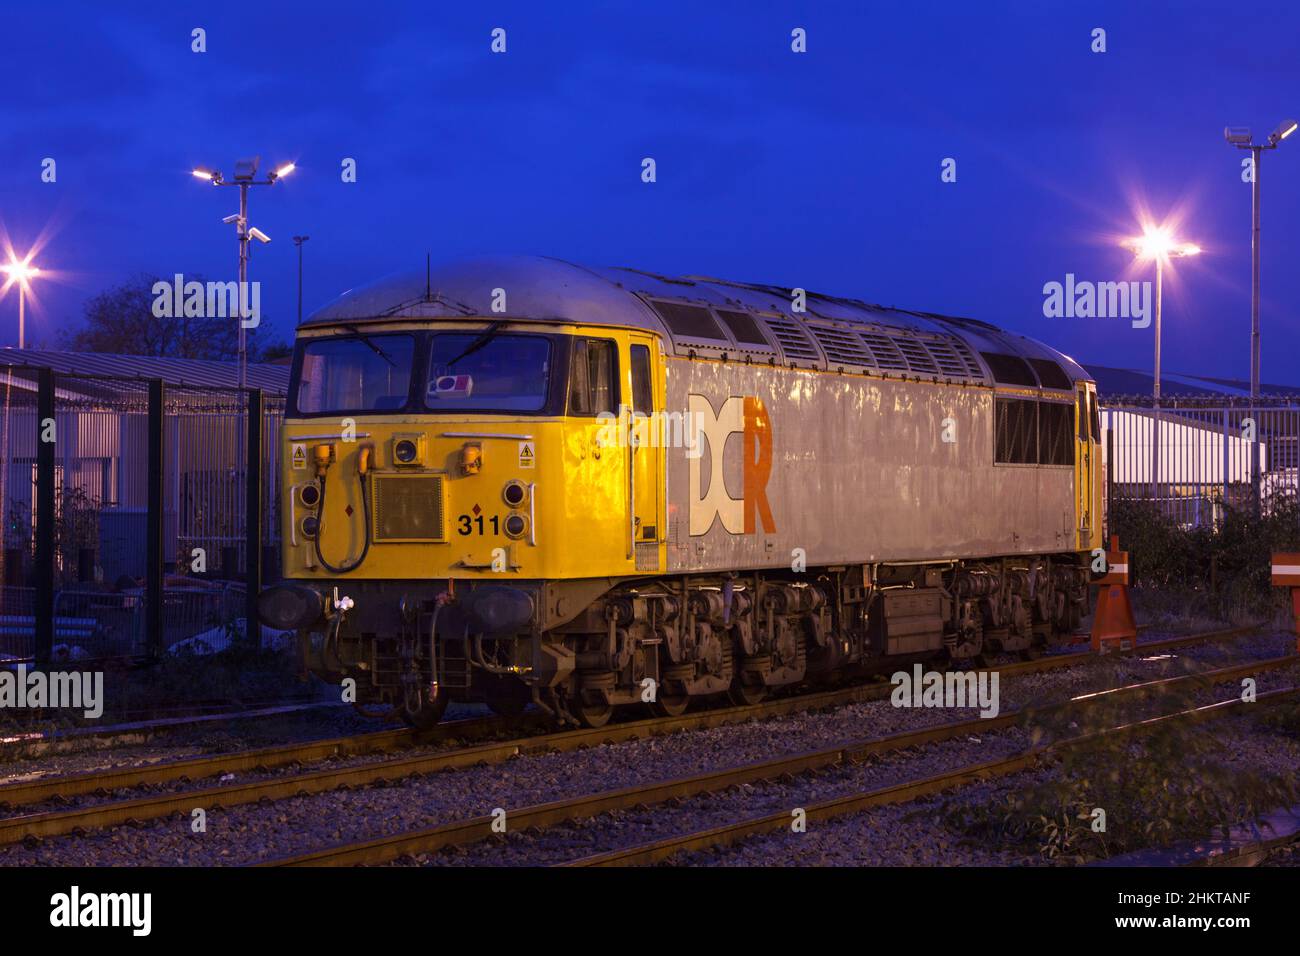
<point x="747" y="416"/>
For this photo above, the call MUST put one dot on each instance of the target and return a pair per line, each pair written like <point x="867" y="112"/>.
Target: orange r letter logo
<point x="758" y="465"/>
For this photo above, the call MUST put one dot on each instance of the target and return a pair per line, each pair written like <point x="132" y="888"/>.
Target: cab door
<point x="1086" y="464"/>
<point x="645" y="452"/>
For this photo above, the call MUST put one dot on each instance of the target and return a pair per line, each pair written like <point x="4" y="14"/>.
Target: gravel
<point x="261" y="831"/>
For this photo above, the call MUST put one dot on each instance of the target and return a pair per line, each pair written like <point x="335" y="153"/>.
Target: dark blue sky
<point x="820" y="170"/>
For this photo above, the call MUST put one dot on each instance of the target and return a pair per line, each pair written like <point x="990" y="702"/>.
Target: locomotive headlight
<point x="514" y="493"/>
<point x="515" y="526"/>
<point x="407" y="448"/>
<point x="309" y="495"/>
<point x="310" y="525"/>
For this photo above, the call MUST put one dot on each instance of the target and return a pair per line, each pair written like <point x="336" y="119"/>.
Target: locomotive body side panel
<point x="850" y="469"/>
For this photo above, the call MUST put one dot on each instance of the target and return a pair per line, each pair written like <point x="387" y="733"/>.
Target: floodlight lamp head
<point x="246" y="169"/>
<point x="1284" y="129"/>
<point x="1237" y="135"/>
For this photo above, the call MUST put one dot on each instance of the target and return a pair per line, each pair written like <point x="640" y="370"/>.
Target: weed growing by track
<point x="1115" y="794"/>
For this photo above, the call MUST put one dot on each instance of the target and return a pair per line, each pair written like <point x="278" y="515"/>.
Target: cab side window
<point x="642" y="387"/>
<point x="593" y="377"/>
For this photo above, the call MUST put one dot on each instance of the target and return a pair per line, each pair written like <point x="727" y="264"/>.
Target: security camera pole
<point x="245" y="176"/>
<point x="1240" y="137"/>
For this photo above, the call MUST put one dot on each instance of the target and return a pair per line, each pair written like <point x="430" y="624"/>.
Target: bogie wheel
<point x="428" y="715"/>
<point x="669" y="705"/>
<point x="594" y="714"/>
<point x="746" y="694"/>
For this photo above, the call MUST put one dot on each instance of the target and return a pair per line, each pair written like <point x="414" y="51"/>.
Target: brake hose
<point x="320" y="527"/>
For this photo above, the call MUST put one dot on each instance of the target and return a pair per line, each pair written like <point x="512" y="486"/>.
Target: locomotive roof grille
<point x="703" y="316"/>
<point x="794" y="341"/>
<point x="949" y="361"/>
<point x="917" y="356"/>
<point x="842" y="347"/>
<point x="887" y="353"/>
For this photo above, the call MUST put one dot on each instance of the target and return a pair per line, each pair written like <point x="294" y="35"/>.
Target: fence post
<point x="1223" y="491"/>
<point x="1110" y="473"/>
<point x="253" y="521"/>
<point x="153" y="585"/>
<point x="43" y="652"/>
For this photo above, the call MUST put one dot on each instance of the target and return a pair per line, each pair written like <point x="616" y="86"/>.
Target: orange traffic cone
<point x="1113" y="628"/>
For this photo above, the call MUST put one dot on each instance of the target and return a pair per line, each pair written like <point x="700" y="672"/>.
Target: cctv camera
<point x="229" y="219"/>
<point x="1237" y="135"/>
<point x="259" y="235"/>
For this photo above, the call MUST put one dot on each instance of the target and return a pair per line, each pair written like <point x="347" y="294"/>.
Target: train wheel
<point x="594" y="715"/>
<point x="746" y="694"/>
<point x="670" y="705"/>
<point x="591" y="705"/>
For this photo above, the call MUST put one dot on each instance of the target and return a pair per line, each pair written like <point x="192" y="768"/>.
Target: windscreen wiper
<point x="372" y="346"/>
<point x="487" y="336"/>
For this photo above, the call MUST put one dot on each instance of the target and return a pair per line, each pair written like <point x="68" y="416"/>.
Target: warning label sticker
<point x="299" y="455"/>
<point x="527" y="454"/>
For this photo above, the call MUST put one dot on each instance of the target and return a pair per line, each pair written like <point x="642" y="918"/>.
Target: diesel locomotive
<point x="522" y="480"/>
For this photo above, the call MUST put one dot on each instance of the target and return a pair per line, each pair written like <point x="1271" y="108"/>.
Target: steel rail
<point x="267" y="758"/>
<point x="727" y="834"/>
<point x="460" y="832"/>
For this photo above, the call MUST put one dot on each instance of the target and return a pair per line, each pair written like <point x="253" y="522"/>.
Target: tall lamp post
<point x="1240" y="137"/>
<point x="298" y="241"/>
<point x="1156" y="243"/>
<point x="20" y="273"/>
<point x="245" y="176"/>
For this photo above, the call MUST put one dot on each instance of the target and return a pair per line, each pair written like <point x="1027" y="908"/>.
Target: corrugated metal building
<point x="101" y="457"/>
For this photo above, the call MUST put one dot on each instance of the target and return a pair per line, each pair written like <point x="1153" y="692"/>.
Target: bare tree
<point x="121" y="320"/>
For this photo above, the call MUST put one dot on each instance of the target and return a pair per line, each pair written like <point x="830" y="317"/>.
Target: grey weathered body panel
<point x="860" y="474"/>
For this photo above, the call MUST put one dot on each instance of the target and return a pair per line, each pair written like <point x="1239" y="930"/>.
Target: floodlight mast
<point x="1241" y="138"/>
<point x="20" y="271"/>
<point x="245" y="176"/>
<point x="1155" y="243"/>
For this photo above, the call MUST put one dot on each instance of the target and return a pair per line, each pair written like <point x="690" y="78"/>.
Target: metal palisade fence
<point x="1193" y="457"/>
<point x="146" y="550"/>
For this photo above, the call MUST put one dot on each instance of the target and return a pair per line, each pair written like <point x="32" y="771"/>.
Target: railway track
<point x="661" y="850"/>
<point x="103" y="782"/>
<point x="473" y="830"/>
<point x="22" y="744"/>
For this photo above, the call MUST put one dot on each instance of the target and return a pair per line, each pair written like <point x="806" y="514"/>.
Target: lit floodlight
<point x="1284" y="129"/>
<point x="1156" y="243"/>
